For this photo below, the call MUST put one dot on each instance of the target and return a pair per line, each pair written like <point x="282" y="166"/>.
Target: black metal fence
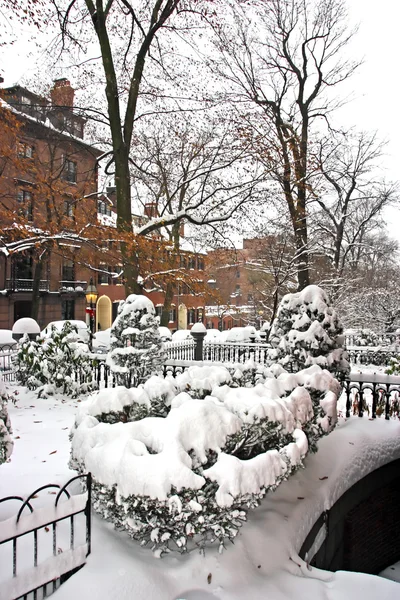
<point x="373" y="393"/>
<point x="368" y="356"/>
<point x="45" y="563"/>
<point x="7" y="352"/>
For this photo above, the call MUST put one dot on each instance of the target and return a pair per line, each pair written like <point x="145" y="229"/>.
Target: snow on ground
<point x="263" y="562"/>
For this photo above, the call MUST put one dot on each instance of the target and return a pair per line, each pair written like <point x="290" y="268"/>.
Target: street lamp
<point x="91" y="297"/>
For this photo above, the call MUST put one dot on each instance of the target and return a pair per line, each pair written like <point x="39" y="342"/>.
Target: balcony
<point x="26" y="285"/>
<point x="72" y="287"/>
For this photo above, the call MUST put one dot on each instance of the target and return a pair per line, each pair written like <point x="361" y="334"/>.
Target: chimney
<point x="62" y="93"/>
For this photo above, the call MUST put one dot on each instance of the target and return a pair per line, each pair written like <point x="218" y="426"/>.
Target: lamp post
<point x="91" y="297"/>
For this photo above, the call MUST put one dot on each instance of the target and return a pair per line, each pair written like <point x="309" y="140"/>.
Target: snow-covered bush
<point x="189" y="478"/>
<point x="308" y="331"/>
<point x="198" y="382"/>
<point x="56" y="364"/>
<point x="121" y="404"/>
<point x="362" y="337"/>
<point x="6" y="443"/>
<point x="136" y="349"/>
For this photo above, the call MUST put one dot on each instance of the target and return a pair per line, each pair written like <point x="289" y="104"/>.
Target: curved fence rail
<point x="36" y="530"/>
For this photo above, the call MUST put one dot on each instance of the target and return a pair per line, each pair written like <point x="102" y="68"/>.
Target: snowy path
<point x="261" y="564"/>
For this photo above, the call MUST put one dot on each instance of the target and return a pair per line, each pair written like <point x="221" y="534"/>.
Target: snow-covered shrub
<point x="6" y="443"/>
<point x="189" y="478"/>
<point x="198" y="382"/>
<point x="136" y="349"/>
<point x="362" y="337"/>
<point x="121" y="404"/>
<point x="308" y="331"/>
<point x="58" y="364"/>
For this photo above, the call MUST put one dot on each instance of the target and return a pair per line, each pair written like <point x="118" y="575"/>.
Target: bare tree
<point x="281" y="58"/>
<point x="350" y="198"/>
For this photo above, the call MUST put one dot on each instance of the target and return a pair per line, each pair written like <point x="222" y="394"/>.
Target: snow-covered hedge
<point x="189" y="478"/>
<point x="136" y="349"/>
<point x="121" y="404"/>
<point x="308" y="331"/>
<point x="6" y="443"/>
<point x="57" y="364"/>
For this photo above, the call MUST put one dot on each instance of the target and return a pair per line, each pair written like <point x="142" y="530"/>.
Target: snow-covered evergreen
<point x="6" y="443"/>
<point x="57" y="364"/>
<point x="136" y="349"/>
<point x="189" y="478"/>
<point x="308" y="331"/>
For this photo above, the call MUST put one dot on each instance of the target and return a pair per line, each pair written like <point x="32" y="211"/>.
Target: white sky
<point x="374" y="89"/>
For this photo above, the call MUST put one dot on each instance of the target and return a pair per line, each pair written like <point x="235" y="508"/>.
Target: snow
<point x="81" y="327"/>
<point x="263" y="562"/>
<point x="47" y="571"/>
<point x="114" y="452"/>
<point x="181" y="335"/>
<point x="239" y="334"/>
<point x="6" y="337"/>
<point x="199" y="328"/>
<point x="26" y="325"/>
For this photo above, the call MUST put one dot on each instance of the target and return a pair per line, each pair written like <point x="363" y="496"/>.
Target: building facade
<point x="49" y="183"/>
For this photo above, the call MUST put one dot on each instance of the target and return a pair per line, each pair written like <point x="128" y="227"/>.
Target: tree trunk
<point x="169" y="294"/>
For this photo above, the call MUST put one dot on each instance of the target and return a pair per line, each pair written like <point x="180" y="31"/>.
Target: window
<point x="70" y="170"/>
<point x="116" y="269"/>
<point x="106" y="275"/>
<point x="77" y="129"/>
<point x="67" y="310"/>
<point x="25" y="150"/>
<point x="192" y="262"/>
<point x="159" y="310"/>
<point x="103" y="208"/>
<point x="68" y="122"/>
<point x="103" y="276"/>
<point x="68" y="208"/>
<point x="172" y="315"/>
<point x="250" y="298"/>
<point x="183" y="262"/>
<point x="200" y="263"/>
<point x="23" y="266"/>
<point x="25" y="200"/>
<point x="25" y="100"/>
<point x="238" y="290"/>
<point x="237" y="274"/>
<point x="191" y="315"/>
<point x="68" y="271"/>
<point x="199" y="315"/>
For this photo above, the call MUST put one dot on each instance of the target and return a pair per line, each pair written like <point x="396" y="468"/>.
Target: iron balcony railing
<point x="72" y="286"/>
<point x="26" y="285"/>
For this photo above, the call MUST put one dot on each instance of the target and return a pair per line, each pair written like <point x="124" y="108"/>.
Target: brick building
<point x="50" y="165"/>
<point x="44" y="183"/>
<point x="241" y="285"/>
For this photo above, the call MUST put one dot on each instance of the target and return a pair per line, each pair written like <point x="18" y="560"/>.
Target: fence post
<point x="198" y="332"/>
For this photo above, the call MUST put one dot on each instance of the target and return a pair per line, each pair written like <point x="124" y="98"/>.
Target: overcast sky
<point x="374" y="89"/>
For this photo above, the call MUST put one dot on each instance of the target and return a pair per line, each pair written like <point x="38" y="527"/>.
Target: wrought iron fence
<point x="26" y="285"/>
<point x="377" y="393"/>
<point x="233" y="352"/>
<point x="371" y="356"/>
<point x="7" y="352"/>
<point x="49" y="564"/>
<point x="183" y="350"/>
